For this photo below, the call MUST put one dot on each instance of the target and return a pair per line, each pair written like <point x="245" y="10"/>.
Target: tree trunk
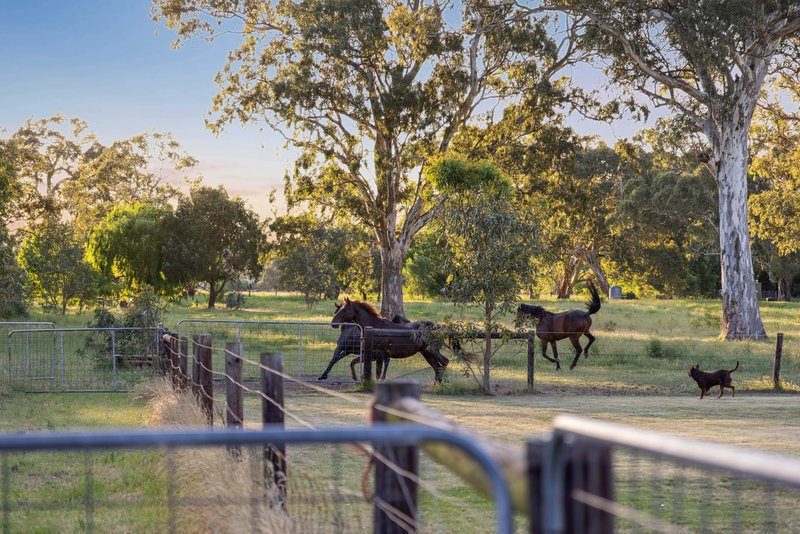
<point x="593" y="261"/>
<point x="487" y="353"/>
<point x="741" y="318"/>
<point x="392" y="279"/>
<point x="784" y="289"/>
<point x="569" y="276"/>
<point x="212" y="293"/>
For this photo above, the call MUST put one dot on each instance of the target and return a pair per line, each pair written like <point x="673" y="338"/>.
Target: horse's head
<point x="344" y="313"/>
<point x="526" y="312"/>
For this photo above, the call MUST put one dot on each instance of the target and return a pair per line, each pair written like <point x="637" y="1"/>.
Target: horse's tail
<point x="735" y="368"/>
<point x="593" y="306"/>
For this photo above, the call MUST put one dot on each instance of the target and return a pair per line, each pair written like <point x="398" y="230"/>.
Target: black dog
<point x="706" y="381"/>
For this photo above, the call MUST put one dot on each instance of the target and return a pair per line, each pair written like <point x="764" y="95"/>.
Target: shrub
<point x="657" y="350"/>
<point x="235" y="300"/>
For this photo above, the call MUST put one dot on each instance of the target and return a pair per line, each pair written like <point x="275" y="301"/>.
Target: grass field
<point x="637" y="376"/>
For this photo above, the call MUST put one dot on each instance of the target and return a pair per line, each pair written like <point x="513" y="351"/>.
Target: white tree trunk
<point x="392" y="279"/>
<point x="741" y="318"/>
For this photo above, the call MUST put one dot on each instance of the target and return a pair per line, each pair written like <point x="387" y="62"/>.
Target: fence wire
<point x="632" y="480"/>
<point x="307" y="347"/>
<point x="191" y="482"/>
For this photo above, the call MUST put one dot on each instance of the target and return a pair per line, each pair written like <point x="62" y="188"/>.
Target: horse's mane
<point x="369" y="308"/>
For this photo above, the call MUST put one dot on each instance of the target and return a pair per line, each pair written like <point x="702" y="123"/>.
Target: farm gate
<point x="81" y="359"/>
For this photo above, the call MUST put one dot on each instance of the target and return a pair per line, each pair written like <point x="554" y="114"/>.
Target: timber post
<point x="396" y="468"/>
<point x="366" y="358"/>
<point x="776" y="368"/>
<point x="202" y="378"/>
<point x="272" y="414"/>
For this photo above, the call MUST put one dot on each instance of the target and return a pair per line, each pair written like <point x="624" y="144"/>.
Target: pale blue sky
<point x="108" y="63"/>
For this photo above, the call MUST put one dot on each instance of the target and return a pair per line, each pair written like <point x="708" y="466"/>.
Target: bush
<point x="235" y="300"/>
<point x="657" y="350"/>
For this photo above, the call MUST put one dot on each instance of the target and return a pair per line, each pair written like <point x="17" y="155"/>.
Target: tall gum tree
<point x="369" y="90"/>
<point x="708" y="60"/>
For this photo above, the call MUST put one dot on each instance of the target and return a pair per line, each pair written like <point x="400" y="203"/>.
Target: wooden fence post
<point x="395" y="508"/>
<point x="183" y="357"/>
<point x="531" y="359"/>
<point x="776" y="369"/>
<point x="234" y="395"/>
<point x="366" y="358"/>
<point x="272" y="414"/>
<point x="202" y="379"/>
<point x="586" y="472"/>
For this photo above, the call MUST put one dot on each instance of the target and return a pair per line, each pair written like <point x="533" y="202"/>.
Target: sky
<point x="106" y="62"/>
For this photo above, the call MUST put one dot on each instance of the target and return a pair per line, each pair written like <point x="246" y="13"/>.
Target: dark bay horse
<point x="349" y="342"/>
<point x="551" y="327"/>
<point x="401" y="345"/>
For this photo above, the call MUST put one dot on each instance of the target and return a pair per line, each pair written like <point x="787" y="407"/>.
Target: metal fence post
<point x="114" y="359"/>
<point x="300" y="351"/>
<point x="396" y="468"/>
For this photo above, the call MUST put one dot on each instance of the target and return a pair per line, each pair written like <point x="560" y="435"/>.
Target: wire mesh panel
<point x="17" y="371"/>
<point x="307" y="347"/>
<point x="634" y="480"/>
<point x="82" y="359"/>
<point x="195" y="482"/>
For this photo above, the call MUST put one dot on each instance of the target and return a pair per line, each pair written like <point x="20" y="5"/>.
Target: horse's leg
<point x="436" y="363"/>
<point x="353" y="368"/>
<point x="586" y="348"/>
<point x="577" y="344"/>
<point x="385" y="365"/>
<point x="546" y="357"/>
<point x="338" y="354"/>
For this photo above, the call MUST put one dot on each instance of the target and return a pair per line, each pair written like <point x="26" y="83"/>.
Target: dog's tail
<point x="593" y="305"/>
<point x="735" y="368"/>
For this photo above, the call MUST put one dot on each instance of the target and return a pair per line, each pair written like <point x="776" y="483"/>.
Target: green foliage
<point x="370" y="91"/>
<point x="212" y="238"/>
<point x="659" y="350"/>
<point x="145" y="311"/>
<point x="12" y="278"/>
<point x="52" y="258"/>
<point x="425" y="272"/>
<point x="235" y="300"/>
<point x="453" y="175"/>
<point x="130" y="244"/>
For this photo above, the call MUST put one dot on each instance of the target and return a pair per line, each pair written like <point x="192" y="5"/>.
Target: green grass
<point x="636" y="374"/>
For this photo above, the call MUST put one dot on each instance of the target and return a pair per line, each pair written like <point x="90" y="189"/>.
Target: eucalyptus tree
<point x="708" y="61"/>
<point x="369" y="90"/>
<point x="12" y="279"/>
<point x="63" y="169"/>
<point x="488" y="240"/>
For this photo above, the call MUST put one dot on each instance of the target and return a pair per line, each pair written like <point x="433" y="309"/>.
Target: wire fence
<point x="82" y="359"/>
<point x="625" y="479"/>
<point x="307" y="347"/>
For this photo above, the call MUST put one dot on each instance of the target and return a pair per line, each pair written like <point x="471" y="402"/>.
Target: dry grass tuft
<point x="227" y="486"/>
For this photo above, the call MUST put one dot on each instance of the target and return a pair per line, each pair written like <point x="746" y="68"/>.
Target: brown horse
<point x="401" y="345"/>
<point x="551" y="327"/>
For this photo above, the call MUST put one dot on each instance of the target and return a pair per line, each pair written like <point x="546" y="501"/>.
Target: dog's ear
<point x="697" y="366"/>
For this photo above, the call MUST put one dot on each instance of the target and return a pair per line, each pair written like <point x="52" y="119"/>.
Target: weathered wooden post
<point x="585" y="473"/>
<point x="272" y="414"/>
<point x="395" y="508"/>
<point x="366" y="358"/>
<point x="202" y="378"/>
<point x="776" y="368"/>
<point x="531" y="359"/>
<point x="183" y="362"/>
<point x="234" y="394"/>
